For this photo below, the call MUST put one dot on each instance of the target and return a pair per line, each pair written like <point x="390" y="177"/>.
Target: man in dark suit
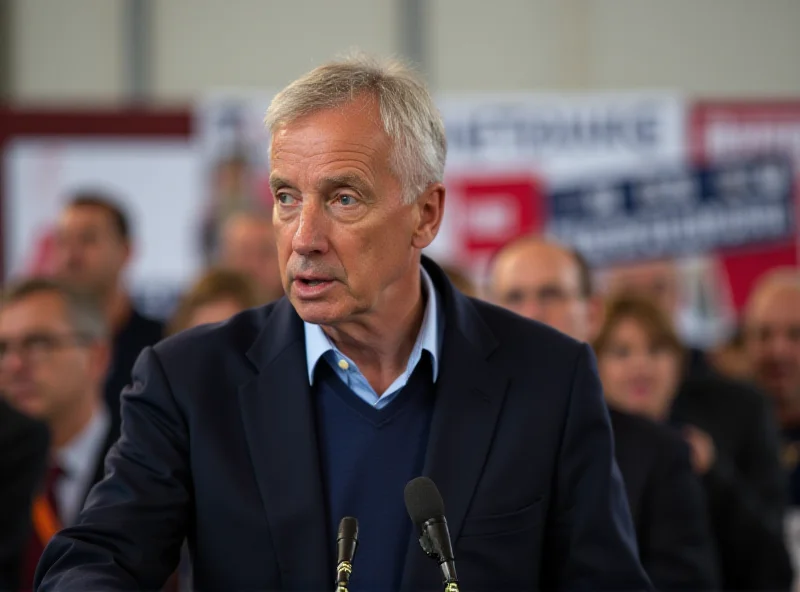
<point x="254" y="437"/>
<point x="93" y="247"/>
<point x="23" y="442"/>
<point x="53" y="358"/>
<point x="548" y="282"/>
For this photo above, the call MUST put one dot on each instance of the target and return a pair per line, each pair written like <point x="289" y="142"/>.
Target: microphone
<point x="426" y="510"/>
<point x="346" y="543"/>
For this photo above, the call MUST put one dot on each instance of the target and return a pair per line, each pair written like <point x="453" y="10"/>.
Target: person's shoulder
<point x="648" y="434"/>
<point x="20" y="434"/>
<point x="723" y="392"/>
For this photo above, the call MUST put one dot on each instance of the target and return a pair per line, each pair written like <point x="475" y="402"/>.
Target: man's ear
<point x="430" y="210"/>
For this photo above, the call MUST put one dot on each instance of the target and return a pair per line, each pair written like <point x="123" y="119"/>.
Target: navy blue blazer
<point x="218" y="445"/>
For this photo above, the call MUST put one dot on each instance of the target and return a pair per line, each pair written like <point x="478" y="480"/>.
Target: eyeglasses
<point x="546" y="296"/>
<point x="38" y="346"/>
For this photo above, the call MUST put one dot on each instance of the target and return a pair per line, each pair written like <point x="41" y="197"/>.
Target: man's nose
<point x="310" y="234"/>
<point x="531" y="309"/>
<point x="11" y="362"/>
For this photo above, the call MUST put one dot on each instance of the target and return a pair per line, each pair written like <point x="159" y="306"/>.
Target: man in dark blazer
<point x="548" y="282"/>
<point x="253" y="438"/>
<point x="23" y="452"/>
<point x="54" y="354"/>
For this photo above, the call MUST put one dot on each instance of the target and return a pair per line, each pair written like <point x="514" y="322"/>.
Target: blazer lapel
<point x="278" y="417"/>
<point x="469" y="398"/>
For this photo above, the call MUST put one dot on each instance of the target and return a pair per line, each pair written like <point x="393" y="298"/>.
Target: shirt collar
<point x="77" y="457"/>
<point x="318" y="343"/>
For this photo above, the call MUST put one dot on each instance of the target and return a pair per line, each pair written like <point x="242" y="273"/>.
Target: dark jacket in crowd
<point x="667" y="505"/>
<point x="746" y="487"/>
<point x="138" y="333"/>
<point x="23" y="454"/>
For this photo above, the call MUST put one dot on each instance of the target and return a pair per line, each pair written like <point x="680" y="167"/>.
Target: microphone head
<point x="348" y="529"/>
<point x="423" y="500"/>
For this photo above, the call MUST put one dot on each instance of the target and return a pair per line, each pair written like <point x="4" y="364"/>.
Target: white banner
<point x="157" y="182"/>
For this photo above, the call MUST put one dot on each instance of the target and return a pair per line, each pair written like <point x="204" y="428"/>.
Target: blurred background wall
<point x="104" y="51"/>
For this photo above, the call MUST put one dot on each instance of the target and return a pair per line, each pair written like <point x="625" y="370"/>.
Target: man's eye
<point x="347" y="200"/>
<point x="284" y="198"/>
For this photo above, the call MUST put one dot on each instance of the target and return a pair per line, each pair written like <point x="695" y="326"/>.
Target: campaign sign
<point x="689" y="211"/>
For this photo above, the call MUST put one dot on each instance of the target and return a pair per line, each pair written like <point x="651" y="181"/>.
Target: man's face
<point x="90" y="254"/>
<point x="773" y="341"/>
<point x="655" y="280"/>
<point x="347" y="243"/>
<point x="542" y="282"/>
<point x="46" y="368"/>
<point x="248" y="246"/>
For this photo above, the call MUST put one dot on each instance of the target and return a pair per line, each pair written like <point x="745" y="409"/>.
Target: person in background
<point x="23" y="455"/>
<point x="660" y="282"/>
<point x="232" y="187"/>
<point x="772" y="321"/>
<point x="731" y="359"/>
<point x="92" y="250"/>
<point x="54" y="354"/>
<point x="247" y="245"/>
<point x="217" y="295"/>
<point x="640" y="358"/>
<point x="547" y="282"/>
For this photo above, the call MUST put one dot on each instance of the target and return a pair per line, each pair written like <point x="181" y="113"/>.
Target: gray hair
<point x="83" y="311"/>
<point x="409" y="116"/>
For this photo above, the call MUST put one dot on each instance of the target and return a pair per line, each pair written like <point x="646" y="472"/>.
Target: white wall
<point x="75" y="50"/>
<point x="706" y="47"/>
<point x="66" y="51"/>
<point x="259" y="43"/>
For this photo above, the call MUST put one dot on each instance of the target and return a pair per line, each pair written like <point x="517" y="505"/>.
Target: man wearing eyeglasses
<point x="54" y="354"/>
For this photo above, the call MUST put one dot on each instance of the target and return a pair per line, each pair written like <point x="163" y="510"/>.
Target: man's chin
<point x="32" y="407"/>
<point x="317" y="312"/>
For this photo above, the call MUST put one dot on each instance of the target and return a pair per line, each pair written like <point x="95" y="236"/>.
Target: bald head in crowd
<point x="546" y="282"/>
<point x="248" y="246"/>
<point x="658" y="281"/>
<point x="772" y="322"/>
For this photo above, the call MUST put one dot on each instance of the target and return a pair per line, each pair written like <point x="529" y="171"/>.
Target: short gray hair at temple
<point x="83" y="311"/>
<point x="410" y="117"/>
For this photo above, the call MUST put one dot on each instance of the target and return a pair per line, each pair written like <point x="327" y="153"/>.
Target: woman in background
<point x="641" y="362"/>
<point x="217" y="295"/>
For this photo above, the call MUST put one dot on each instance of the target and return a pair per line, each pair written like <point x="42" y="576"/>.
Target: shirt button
<point x="343" y="364"/>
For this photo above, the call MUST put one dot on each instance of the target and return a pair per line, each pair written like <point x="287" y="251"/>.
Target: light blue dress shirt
<point x="319" y="346"/>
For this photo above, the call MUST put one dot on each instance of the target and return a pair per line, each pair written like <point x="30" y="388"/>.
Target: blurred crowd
<point x="707" y="443"/>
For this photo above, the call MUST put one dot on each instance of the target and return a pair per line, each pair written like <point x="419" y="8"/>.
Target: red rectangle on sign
<point x="496" y="210"/>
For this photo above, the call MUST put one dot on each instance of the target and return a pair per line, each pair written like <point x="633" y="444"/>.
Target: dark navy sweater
<point x="367" y="457"/>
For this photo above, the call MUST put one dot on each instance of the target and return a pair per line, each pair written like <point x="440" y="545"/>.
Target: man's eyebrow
<point x="346" y="180"/>
<point x="276" y="183"/>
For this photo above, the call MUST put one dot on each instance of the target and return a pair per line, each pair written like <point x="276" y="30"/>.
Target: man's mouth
<point x="313" y="282"/>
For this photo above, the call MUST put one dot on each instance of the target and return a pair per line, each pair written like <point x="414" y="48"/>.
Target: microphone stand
<point x="432" y="549"/>
<point x="343" y="571"/>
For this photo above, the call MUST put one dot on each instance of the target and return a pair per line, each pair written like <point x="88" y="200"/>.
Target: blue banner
<point x="695" y="210"/>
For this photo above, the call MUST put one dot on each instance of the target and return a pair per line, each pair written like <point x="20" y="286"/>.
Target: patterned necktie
<point x="45" y="523"/>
